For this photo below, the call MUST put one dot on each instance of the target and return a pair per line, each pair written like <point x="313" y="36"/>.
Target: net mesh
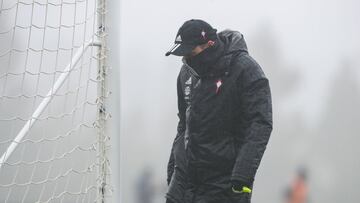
<point x="62" y="155"/>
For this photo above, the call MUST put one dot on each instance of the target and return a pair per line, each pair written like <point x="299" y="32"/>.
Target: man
<point x="225" y="117"/>
<point x="298" y="191"/>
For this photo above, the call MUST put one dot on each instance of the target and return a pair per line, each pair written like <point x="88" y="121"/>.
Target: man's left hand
<point x="239" y="187"/>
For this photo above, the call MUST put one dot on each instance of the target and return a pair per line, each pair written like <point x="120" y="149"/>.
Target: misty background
<point x="310" y="52"/>
<point x="308" y="49"/>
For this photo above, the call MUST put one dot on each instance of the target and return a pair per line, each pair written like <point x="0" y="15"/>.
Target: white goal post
<point x="54" y="145"/>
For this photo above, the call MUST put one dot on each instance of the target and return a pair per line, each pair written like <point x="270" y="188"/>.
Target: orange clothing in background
<point x="299" y="191"/>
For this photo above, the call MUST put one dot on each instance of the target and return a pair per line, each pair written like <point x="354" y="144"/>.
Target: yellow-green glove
<point x="244" y="189"/>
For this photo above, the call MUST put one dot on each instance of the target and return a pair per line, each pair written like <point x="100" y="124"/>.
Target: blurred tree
<point x="284" y="77"/>
<point x="335" y="145"/>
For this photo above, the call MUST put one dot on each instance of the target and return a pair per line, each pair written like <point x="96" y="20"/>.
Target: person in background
<point x="298" y="191"/>
<point x="145" y="187"/>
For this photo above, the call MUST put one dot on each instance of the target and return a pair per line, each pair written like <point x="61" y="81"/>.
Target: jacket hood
<point x="234" y="42"/>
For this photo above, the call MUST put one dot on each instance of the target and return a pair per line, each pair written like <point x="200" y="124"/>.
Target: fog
<point x="309" y="50"/>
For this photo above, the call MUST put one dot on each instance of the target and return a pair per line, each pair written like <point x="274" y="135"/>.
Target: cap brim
<point x="181" y="50"/>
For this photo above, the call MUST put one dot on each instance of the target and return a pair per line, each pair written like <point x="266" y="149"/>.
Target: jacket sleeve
<point x="256" y="107"/>
<point x="180" y="128"/>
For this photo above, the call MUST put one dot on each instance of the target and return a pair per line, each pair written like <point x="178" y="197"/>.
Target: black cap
<point x="191" y="34"/>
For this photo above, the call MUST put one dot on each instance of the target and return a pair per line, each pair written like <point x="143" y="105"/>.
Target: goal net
<point x="53" y="141"/>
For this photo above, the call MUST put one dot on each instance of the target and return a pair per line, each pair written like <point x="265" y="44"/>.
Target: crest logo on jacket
<point x="218" y="85"/>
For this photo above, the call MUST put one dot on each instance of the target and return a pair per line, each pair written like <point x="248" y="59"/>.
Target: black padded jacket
<point x="225" y="121"/>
